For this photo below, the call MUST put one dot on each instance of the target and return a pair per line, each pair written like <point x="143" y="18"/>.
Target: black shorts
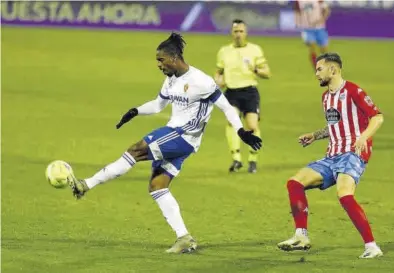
<point x="246" y="99"/>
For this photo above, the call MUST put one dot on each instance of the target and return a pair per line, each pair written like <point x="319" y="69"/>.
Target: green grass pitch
<point x="64" y="90"/>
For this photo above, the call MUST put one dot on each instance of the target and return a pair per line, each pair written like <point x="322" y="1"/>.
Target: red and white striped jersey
<point x="310" y="14"/>
<point x="348" y="111"/>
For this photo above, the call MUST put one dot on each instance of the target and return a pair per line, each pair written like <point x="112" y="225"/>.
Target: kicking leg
<point x="137" y="152"/>
<point x="158" y="188"/>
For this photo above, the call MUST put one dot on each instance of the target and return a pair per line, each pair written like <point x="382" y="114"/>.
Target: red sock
<point x="313" y="59"/>
<point x="358" y="217"/>
<point x="298" y="203"/>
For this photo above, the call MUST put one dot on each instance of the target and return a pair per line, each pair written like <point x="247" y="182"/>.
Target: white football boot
<point x="184" y="244"/>
<point x="371" y="252"/>
<point x="297" y="242"/>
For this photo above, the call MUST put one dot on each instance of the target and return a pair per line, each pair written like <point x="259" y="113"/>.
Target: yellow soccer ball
<point x="58" y="173"/>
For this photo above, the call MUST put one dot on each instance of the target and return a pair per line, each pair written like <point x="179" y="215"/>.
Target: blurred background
<point x="365" y="18"/>
<point x="70" y="70"/>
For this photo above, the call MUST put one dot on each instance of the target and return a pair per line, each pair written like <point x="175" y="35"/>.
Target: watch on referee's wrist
<point x="255" y="70"/>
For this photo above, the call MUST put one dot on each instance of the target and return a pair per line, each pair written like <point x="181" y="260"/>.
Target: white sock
<point x="371" y="244"/>
<point x="111" y="171"/>
<point x="170" y="209"/>
<point x="301" y="232"/>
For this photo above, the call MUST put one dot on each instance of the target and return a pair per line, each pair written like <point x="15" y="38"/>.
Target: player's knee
<point x="253" y="126"/>
<point x="134" y="153"/>
<point x="343" y="190"/>
<point x="346" y="185"/>
<point x="138" y="150"/>
<point x="291" y="182"/>
<point x="158" y="184"/>
<point x="298" y="178"/>
<point x="312" y="47"/>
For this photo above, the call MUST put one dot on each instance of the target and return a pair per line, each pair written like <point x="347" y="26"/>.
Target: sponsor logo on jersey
<point x="179" y="99"/>
<point x="333" y="116"/>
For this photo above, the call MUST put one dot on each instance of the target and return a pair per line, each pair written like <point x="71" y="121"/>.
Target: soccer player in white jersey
<point x="311" y="17"/>
<point x="192" y="94"/>
<point x="352" y="120"/>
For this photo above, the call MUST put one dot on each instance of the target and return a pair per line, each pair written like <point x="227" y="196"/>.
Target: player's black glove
<point x="253" y="141"/>
<point x="132" y="113"/>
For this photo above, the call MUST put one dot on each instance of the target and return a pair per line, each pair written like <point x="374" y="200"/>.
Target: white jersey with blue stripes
<point x="192" y="96"/>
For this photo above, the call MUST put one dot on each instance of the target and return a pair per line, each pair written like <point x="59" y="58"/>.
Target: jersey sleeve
<point x="220" y="59"/>
<point x="260" y="60"/>
<point x="364" y="102"/>
<point x="164" y="90"/>
<point x="207" y="90"/>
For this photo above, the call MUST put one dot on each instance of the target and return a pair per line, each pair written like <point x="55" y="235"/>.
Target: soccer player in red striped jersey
<point x="352" y="119"/>
<point x="311" y="17"/>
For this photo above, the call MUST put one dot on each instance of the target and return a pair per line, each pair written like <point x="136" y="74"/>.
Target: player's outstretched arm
<point x="307" y="139"/>
<point x="232" y="117"/>
<point x="149" y="108"/>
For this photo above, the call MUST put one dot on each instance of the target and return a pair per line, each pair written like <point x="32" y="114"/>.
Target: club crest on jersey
<point x="333" y="116"/>
<point x="186" y="87"/>
<point x="247" y="61"/>
<point x="342" y="96"/>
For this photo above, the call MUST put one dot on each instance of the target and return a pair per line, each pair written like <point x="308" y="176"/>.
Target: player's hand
<point x="360" y="146"/>
<point x="133" y="112"/>
<point x="306" y="139"/>
<point x="253" y="141"/>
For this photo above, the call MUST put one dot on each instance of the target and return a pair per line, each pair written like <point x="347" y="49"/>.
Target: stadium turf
<point x="64" y="90"/>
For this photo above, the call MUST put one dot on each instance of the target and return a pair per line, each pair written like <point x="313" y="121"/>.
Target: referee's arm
<point x="219" y="78"/>
<point x="262" y="68"/>
<point x="263" y="71"/>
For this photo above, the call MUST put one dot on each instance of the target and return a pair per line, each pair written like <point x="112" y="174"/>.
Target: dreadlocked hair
<point x="174" y="45"/>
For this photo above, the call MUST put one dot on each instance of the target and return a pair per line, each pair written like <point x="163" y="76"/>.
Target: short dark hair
<point x="174" y="45"/>
<point x="330" y="57"/>
<point x="238" y="21"/>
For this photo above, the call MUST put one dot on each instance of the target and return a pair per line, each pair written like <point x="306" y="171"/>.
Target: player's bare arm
<point x="321" y="134"/>
<point x="374" y="124"/>
<point x="307" y="139"/>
